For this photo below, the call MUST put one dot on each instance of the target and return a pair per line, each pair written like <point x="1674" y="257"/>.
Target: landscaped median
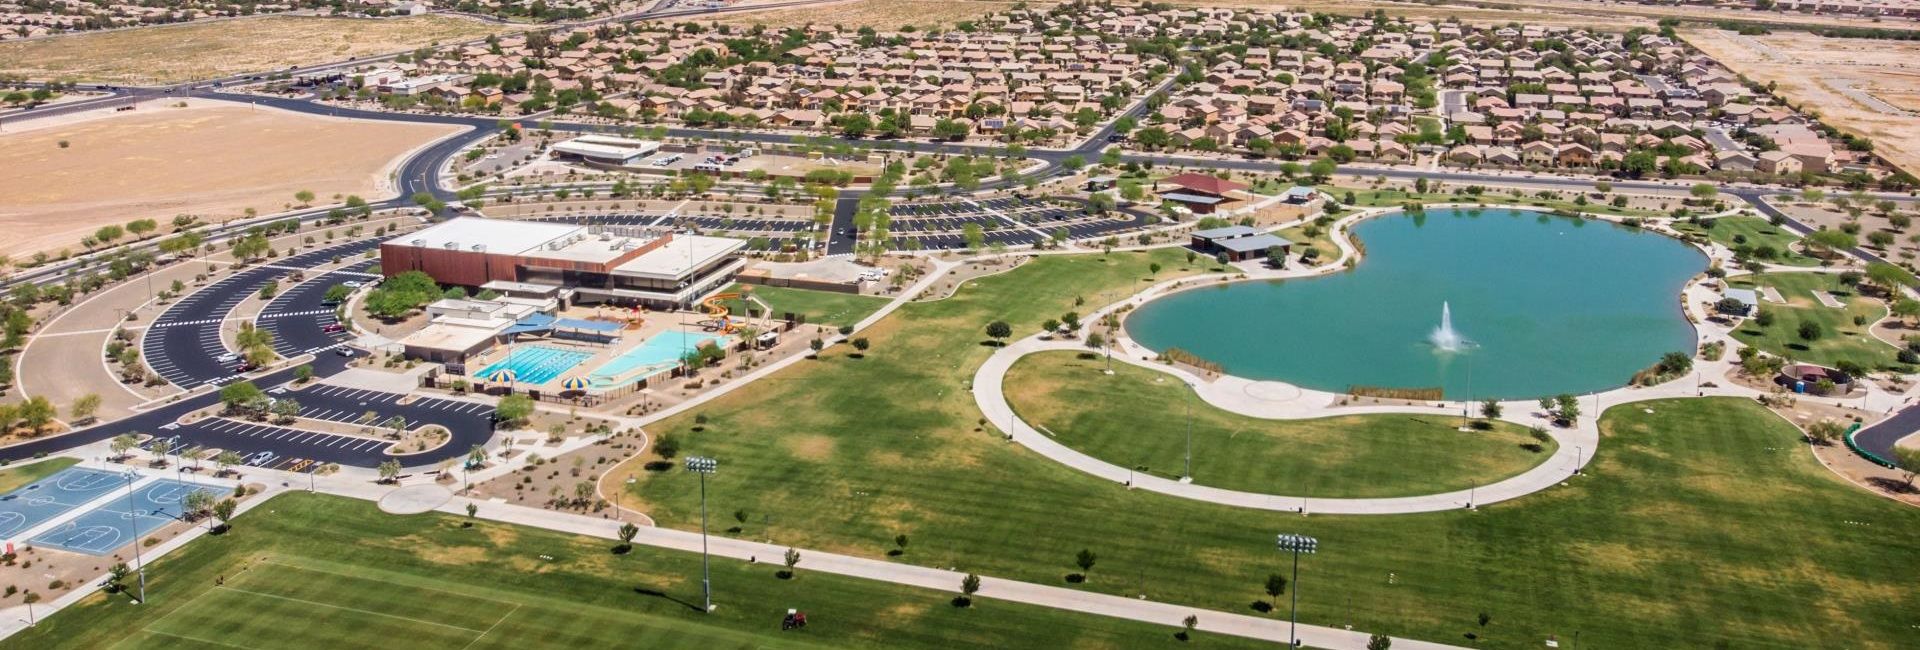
<point x="1138" y="418"/>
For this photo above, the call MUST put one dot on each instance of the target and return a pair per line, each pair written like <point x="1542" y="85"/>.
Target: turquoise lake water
<point x="1550" y="305"/>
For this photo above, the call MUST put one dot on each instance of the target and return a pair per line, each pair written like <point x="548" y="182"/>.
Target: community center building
<point x="621" y="265"/>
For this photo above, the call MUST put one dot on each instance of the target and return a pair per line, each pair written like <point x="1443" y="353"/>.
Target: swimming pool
<point x="657" y="354"/>
<point x="535" y="364"/>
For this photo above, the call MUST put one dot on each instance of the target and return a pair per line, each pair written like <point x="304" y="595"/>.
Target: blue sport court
<point x="535" y="364"/>
<point x="48" y="498"/>
<point x="101" y="530"/>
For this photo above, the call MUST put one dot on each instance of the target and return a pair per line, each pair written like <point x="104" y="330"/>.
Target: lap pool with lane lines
<point x="48" y="498"/>
<point x="117" y="522"/>
<point x="536" y="364"/>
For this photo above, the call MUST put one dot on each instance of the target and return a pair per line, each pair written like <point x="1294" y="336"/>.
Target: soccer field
<point x="305" y="571"/>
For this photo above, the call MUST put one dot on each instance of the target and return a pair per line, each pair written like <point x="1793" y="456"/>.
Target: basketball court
<point x="112" y="525"/>
<point x="49" y="498"/>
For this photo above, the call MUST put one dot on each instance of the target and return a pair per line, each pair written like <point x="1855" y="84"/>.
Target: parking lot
<point x="778" y="232"/>
<point x="300" y="317"/>
<point x="291" y="448"/>
<point x="183" y="344"/>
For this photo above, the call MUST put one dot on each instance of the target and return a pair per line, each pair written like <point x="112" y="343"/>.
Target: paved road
<point x="1879" y="439"/>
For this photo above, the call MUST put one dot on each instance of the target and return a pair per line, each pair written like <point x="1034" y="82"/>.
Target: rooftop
<point x="479" y="234"/>
<point x="678" y="257"/>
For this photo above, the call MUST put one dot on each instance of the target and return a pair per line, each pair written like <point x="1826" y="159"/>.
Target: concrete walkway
<point x="1211" y="621"/>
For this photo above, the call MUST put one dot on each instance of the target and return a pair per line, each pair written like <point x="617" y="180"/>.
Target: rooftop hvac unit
<point x="453" y="245"/>
<point x="479" y="248"/>
<point x="419" y="243"/>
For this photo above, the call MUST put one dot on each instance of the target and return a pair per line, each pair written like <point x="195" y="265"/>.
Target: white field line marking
<point x="350" y="609"/>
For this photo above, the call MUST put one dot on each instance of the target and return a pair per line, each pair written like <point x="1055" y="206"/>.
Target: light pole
<point x="142" y="566"/>
<point x="1186" y="473"/>
<point x="1298" y="544"/>
<point x="703" y="466"/>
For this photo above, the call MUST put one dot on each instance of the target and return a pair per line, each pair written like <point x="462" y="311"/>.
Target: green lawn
<point x="1137" y="418"/>
<point x="1703" y="525"/>
<point x="823" y="307"/>
<point x="1322" y="240"/>
<point x="12" y="478"/>
<point x="1840" y="339"/>
<point x="306" y="571"/>
<point x="1756" y="235"/>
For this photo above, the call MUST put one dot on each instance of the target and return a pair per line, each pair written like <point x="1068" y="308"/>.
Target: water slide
<point x="716" y="307"/>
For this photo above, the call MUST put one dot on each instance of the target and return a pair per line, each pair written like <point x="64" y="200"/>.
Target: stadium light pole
<point x="142" y="566"/>
<point x="703" y="466"/>
<point x="1298" y="544"/>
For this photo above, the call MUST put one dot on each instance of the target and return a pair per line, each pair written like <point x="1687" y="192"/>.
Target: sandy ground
<point x="177" y="53"/>
<point x="212" y="158"/>
<point x="1855" y="84"/>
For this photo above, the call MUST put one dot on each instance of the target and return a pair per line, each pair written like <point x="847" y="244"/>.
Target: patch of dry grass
<point x="176" y="53"/>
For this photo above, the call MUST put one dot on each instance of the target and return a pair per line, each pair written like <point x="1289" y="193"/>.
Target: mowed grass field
<point x="1840" y="339"/>
<point x="307" y="571"/>
<point x="204" y="50"/>
<point x="821" y="307"/>
<point x="13" y="478"/>
<point x="1138" y="418"/>
<point x="1756" y="235"/>
<point x="1703" y="523"/>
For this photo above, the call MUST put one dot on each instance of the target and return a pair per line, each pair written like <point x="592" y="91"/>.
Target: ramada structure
<point x="618" y="265"/>
<point x="1200" y="193"/>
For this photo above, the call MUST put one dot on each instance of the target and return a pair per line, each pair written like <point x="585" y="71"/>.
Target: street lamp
<point x="1298" y="544"/>
<point x="703" y="466"/>
<point x="142" y="566"/>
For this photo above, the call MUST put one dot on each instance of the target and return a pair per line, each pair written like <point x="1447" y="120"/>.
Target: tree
<point x="861" y="344"/>
<point x="1276" y="585"/>
<point x="240" y="393"/>
<point x="1321" y="170"/>
<point x="224" y="512"/>
<point x="142" y="227"/>
<point x="1908" y="460"/>
<point x="389" y="470"/>
<point x="1704" y="192"/>
<point x="792" y="559"/>
<point x="999" y="330"/>
<point x="121" y="443"/>
<point x="1888" y="276"/>
<point x="84" y="407"/>
<point x="1490" y="409"/>
<point x="900" y="542"/>
<point x="303" y="373"/>
<point x="1825" y="431"/>
<point x="1085" y="559"/>
<point x="225" y="461"/>
<point x="1809" y="331"/>
<point x="514" y="409"/>
<point x="1190" y="622"/>
<point x="1379" y="642"/>
<point x="969" y="586"/>
<point x="627" y="531"/>
<point x="1567" y="408"/>
<point x="305" y="197"/>
<point x="1829" y="241"/>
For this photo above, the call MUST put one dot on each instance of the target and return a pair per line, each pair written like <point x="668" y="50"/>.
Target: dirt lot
<point x="216" y="49"/>
<point x="211" y="158"/>
<point x="1854" y="84"/>
<point x="879" y="14"/>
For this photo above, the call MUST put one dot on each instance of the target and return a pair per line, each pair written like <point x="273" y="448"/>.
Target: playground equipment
<point x="716" y="308"/>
